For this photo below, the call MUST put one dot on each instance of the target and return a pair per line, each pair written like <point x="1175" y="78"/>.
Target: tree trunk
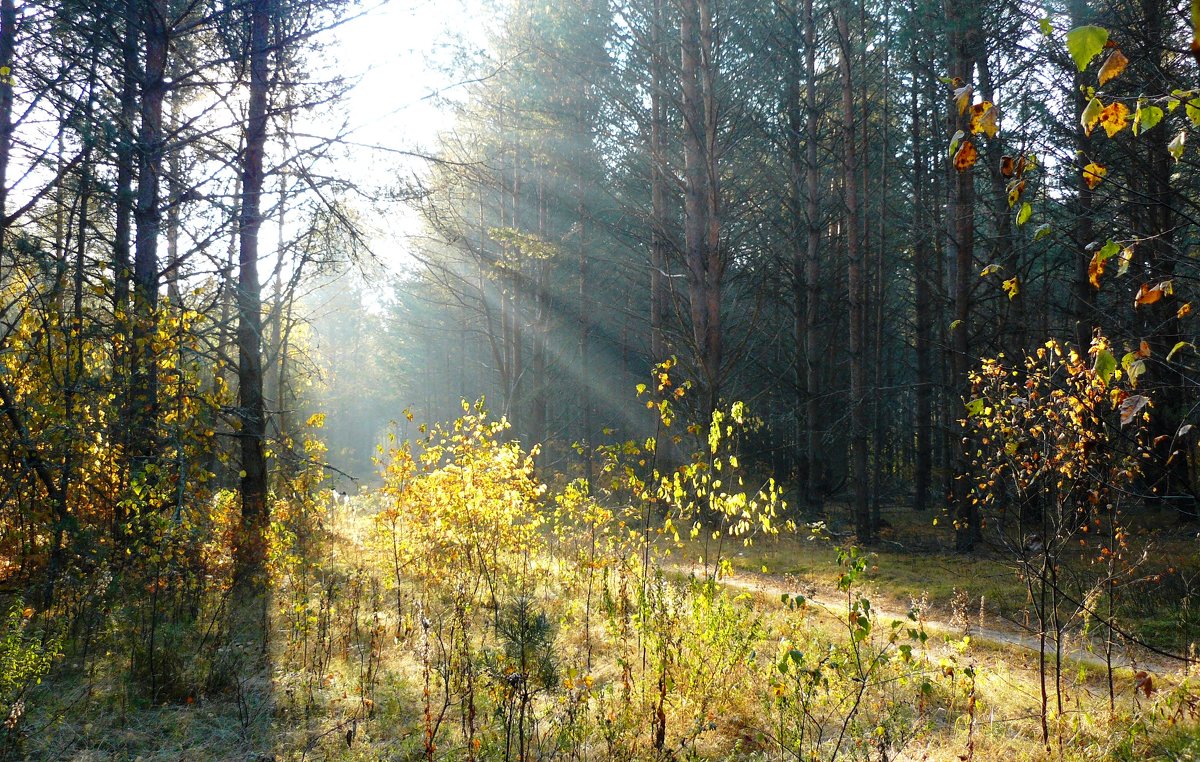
<point x="251" y="547"/>
<point x="812" y="271"/>
<point x="659" y="245"/>
<point x="858" y="390"/>
<point x="961" y="242"/>
<point x="148" y="220"/>
<point x="700" y="224"/>
<point x="923" y="476"/>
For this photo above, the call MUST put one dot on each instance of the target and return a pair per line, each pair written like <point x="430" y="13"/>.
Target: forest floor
<point x="361" y="700"/>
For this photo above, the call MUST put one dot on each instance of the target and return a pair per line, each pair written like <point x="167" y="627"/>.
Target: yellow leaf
<point x="1091" y="115"/>
<point x="1093" y="174"/>
<point x="1011" y="287"/>
<point x="1114" y="118"/>
<point x="1014" y="192"/>
<point x="962" y="97"/>
<point x="1113" y="66"/>
<point x="984" y="119"/>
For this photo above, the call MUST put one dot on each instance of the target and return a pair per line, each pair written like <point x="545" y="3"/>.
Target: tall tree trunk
<point x="700" y="226"/>
<point x="251" y="547"/>
<point x="858" y="388"/>
<point x="923" y="318"/>
<point x="148" y="220"/>
<point x="659" y="244"/>
<point x="961" y="243"/>
<point x="125" y="163"/>
<point x="812" y="270"/>
<point x="541" y="327"/>
<point x="796" y="229"/>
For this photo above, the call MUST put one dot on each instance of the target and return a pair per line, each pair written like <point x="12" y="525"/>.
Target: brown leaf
<point x="1145" y="683"/>
<point x="1143" y="350"/>
<point x="1131" y="406"/>
<point x="1113" y="66"/>
<point x="1008" y="166"/>
<point x="966" y="156"/>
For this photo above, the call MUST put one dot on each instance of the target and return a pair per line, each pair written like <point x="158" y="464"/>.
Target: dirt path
<point x="1079" y="650"/>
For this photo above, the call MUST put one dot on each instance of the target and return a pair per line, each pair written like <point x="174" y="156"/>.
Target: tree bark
<point x="147" y="215"/>
<point x="961" y="242"/>
<point x="858" y="389"/>
<point x="922" y="477"/>
<point x="251" y="548"/>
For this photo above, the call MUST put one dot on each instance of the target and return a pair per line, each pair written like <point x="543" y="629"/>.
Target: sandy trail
<point x="1077" y="651"/>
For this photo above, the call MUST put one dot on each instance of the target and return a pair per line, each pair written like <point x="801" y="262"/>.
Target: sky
<point x="396" y="52"/>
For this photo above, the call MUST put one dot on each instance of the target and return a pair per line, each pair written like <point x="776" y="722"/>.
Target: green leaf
<point x="1091" y="115"/>
<point x="1145" y="118"/>
<point x="1025" y="213"/>
<point x="975" y="407"/>
<point x="1085" y="43"/>
<point x="1042" y="231"/>
<point x="1044" y="26"/>
<point x="954" y="141"/>
<point x="1193" y="110"/>
<point x="1108" y="251"/>
<point x="1175" y="349"/>
<point x="1105" y="366"/>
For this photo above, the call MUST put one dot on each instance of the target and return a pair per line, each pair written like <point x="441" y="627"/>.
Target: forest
<point x="668" y="380"/>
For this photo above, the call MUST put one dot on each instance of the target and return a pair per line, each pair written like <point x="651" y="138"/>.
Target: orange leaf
<point x="1184" y="311"/>
<point x="1114" y="118"/>
<point x="1007" y="167"/>
<point x="1147" y="295"/>
<point x="1143" y="350"/>
<point x="1096" y="269"/>
<point x="1093" y="174"/>
<point x="966" y="156"/>
<point x="1113" y="66"/>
